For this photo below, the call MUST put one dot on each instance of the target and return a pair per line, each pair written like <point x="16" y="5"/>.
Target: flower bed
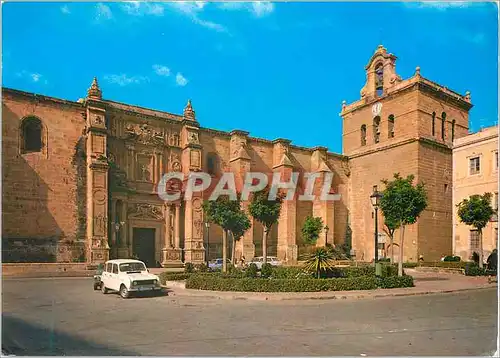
<point x="285" y="272"/>
<point x="225" y="283"/>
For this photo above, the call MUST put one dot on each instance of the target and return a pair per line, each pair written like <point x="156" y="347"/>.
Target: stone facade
<point x="93" y="180"/>
<point x="475" y="171"/>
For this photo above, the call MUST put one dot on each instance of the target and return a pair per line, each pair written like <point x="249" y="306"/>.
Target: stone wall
<point x="41" y="190"/>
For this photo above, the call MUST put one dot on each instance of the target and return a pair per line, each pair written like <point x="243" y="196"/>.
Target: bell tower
<point x="406" y="127"/>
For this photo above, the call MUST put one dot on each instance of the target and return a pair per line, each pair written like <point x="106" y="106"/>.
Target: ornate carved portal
<point x="145" y="211"/>
<point x="143" y="133"/>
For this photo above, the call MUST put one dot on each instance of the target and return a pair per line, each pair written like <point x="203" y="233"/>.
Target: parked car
<point x="97" y="277"/>
<point x="128" y="276"/>
<point x="217" y="264"/>
<point x="273" y="260"/>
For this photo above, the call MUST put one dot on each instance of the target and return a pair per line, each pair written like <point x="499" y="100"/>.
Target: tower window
<point x="379" y="79"/>
<point x="212" y="164"/>
<point x="31" y="132"/>
<point x="376" y="129"/>
<point x="452" y="130"/>
<point x="443" y="125"/>
<point x="363" y="134"/>
<point x="390" y="129"/>
<point x="433" y="123"/>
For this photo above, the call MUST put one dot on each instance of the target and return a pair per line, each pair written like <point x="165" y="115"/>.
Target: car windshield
<point x="132" y="267"/>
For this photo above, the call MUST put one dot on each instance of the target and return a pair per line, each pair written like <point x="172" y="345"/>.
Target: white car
<point x="273" y="260"/>
<point x="128" y="276"/>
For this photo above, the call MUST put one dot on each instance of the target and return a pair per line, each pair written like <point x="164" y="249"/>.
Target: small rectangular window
<point x="496" y="161"/>
<point x="108" y="267"/>
<point x="474" y="166"/>
<point x="474" y="240"/>
<point x="115" y="268"/>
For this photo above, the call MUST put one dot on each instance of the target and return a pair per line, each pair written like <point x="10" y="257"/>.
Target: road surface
<point x="65" y="316"/>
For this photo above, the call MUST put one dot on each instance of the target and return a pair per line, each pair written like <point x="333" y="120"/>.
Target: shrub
<point x="173" y="276"/>
<point x="188" y="267"/>
<point x="251" y="271"/>
<point x="396" y="281"/>
<point x="289" y="272"/>
<point x="472" y="269"/>
<point x="450" y="258"/>
<point x="410" y="264"/>
<point x="219" y="283"/>
<point x="475" y="257"/>
<point x="444" y="264"/>
<point x="266" y="270"/>
<point x="235" y="272"/>
<point x="201" y="267"/>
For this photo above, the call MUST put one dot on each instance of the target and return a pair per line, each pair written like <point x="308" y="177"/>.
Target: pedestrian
<point x="491" y="264"/>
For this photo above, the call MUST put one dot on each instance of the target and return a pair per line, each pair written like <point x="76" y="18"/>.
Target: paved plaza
<point x="64" y="316"/>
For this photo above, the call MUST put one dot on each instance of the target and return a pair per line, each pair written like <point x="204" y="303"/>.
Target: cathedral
<point x="80" y="178"/>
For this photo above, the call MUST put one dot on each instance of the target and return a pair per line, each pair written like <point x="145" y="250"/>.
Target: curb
<point x="327" y="297"/>
<point x="49" y="275"/>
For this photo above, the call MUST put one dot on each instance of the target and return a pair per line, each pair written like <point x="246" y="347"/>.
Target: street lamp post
<point x="207" y="225"/>
<point x="326" y="235"/>
<point x="375" y="199"/>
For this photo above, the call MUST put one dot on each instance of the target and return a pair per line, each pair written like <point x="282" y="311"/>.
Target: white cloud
<point x="258" y="8"/>
<point x="65" y="9"/>
<point x="161" y="70"/>
<point x="124" y="80"/>
<point x="180" y="79"/>
<point x="138" y="8"/>
<point x="103" y="12"/>
<point x="438" y="5"/>
<point x="34" y="76"/>
<point x="188" y="7"/>
<point x="262" y="8"/>
<point x="192" y="9"/>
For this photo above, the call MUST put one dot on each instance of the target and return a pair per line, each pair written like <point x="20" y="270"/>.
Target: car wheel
<point x="124" y="292"/>
<point x="96" y="286"/>
<point x="103" y="288"/>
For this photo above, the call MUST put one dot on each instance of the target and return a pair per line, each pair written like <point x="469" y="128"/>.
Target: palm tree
<point x="319" y="260"/>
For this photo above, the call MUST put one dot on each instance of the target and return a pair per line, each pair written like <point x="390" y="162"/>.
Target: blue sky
<point x="273" y="69"/>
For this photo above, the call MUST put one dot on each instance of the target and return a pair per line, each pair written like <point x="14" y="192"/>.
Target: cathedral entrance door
<point x="144" y="245"/>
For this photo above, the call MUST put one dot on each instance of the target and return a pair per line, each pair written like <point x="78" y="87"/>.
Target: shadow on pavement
<point x="21" y="338"/>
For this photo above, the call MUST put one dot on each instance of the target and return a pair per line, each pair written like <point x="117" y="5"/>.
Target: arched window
<point x="212" y="164"/>
<point x="31" y="135"/>
<point x="452" y="130"/>
<point x="376" y="129"/>
<point x="433" y="123"/>
<point x="379" y="79"/>
<point x="363" y="134"/>
<point x="443" y="125"/>
<point x="390" y="129"/>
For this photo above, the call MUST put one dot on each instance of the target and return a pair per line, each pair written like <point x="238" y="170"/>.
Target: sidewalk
<point x="425" y="283"/>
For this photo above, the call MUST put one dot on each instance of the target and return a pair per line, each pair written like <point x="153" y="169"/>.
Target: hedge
<point x="220" y="283"/>
<point x="286" y="272"/>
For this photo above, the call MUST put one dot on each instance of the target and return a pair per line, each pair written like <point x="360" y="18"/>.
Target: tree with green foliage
<point x="476" y="212"/>
<point x="267" y="212"/>
<point x="389" y="228"/>
<point x="311" y="229"/>
<point x="239" y="224"/>
<point x="402" y="203"/>
<point x="228" y="215"/>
